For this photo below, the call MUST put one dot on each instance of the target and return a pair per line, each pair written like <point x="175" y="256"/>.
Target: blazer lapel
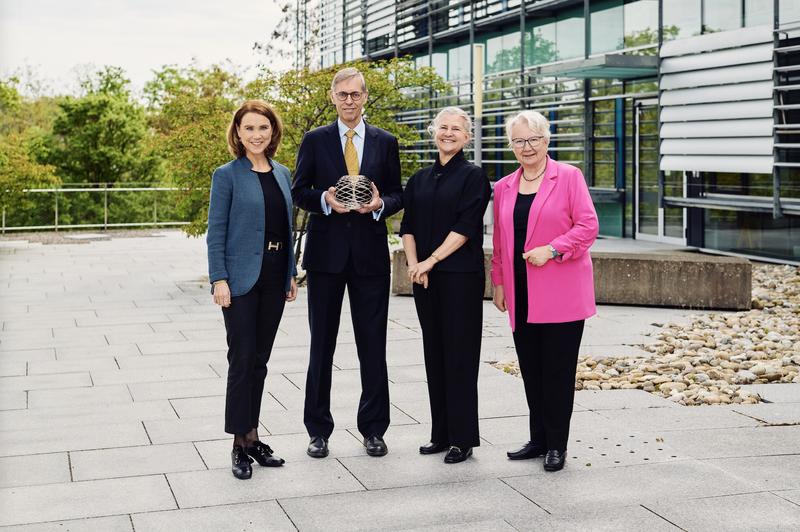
<point x="507" y="210"/>
<point x="547" y="186"/>
<point x="335" y="149"/>
<point x="370" y="138"/>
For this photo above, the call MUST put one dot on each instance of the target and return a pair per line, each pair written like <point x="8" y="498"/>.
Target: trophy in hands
<point x="354" y="191"/>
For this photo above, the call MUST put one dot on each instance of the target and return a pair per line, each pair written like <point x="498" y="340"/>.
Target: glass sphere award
<point x="354" y="191"/>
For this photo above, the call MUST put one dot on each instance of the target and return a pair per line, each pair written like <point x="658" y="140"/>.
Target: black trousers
<point x="548" y="356"/>
<point x="450" y="313"/>
<point x="369" y="307"/>
<point x="251" y="322"/>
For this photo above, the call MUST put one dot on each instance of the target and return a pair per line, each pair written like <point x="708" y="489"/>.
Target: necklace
<point x="535" y="178"/>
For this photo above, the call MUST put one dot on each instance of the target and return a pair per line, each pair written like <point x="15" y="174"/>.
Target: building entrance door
<point x="652" y="221"/>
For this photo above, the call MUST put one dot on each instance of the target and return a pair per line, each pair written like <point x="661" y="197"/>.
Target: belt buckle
<point x="273" y="246"/>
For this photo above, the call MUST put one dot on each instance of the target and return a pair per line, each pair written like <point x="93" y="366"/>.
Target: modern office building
<point x="684" y="115"/>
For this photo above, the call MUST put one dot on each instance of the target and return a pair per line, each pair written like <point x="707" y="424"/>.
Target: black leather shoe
<point x="529" y="450"/>
<point x="456" y="455"/>
<point x="262" y="453"/>
<point x="433" y="448"/>
<point x="317" y="447"/>
<point x="554" y="460"/>
<point x="240" y="463"/>
<point x="375" y="446"/>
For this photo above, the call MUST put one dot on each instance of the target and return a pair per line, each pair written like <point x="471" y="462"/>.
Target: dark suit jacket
<point x="331" y="239"/>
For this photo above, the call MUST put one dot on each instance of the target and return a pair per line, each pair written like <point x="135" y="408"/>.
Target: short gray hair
<point x="451" y="111"/>
<point x="347" y="73"/>
<point x="534" y="120"/>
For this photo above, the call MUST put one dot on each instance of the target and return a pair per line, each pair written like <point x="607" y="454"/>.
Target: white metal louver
<point x="716" y="102"/>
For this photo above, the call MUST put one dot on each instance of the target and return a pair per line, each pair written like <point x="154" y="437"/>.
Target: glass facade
<point x="607" y="127"/>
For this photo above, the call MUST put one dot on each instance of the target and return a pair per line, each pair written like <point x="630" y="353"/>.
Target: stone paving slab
<point x="432" y="505"/>
<point x="215" y="405"/>
<point x="791" y="495"/>
<point x="492" y="525"/>
<point x="776" y="393"/>
<point x="79" y="397"/>
<point x="159" y="374"/>
<point x="772" y="414"/>
<point x="620" y="399"/>
<point x="85" y="414"/>
<point x="94" y="498"/>
<point x="13" y="400"/>
<point x="46" y="367"/>
<point x="259" y="516"/>
<point x="135" y="461"/>
<point x="572" y="491"/>
<point x="732" y="443"/>
<point x="30" y="471"/>
<point x="600" y="519"/>
<point x="302" y="479"/>
<point x="753" y="511"/>
<point x="781" y="472"/>
<point x="151" y="391"/>
<point x="118" y="351"/>
<point x="185" y="430"/>
<point x="13" y="368"/>
<point x="27" y="442"/>
<point x="36" y="382"/>
<point x="679" y="419"/>
<point x="27" y="355"/>
<point x="117" y="523"/>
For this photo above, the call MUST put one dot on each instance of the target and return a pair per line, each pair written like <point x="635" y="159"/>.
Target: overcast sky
<point x="56" y="36"/>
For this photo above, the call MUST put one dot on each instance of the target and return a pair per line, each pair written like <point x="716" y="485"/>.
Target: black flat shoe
<point x="240" y="463"/>
<point x="433" y="448"/>
<point x="317" y="447"/>
<point x="375" y="446"/>
<point x="554" y="460"/>
<point x="529" y="450"/>
<point x="262" y="453"/>
<point x="456" y="455"/>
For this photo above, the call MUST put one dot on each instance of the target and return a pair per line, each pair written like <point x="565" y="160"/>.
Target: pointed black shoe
<point x="317" y="447"/>
<point x="529" y="450"/>
<point x="433" y="448"/>
<point x="375" y="446"/>
<point x="554" y="460"/>
<point x="262" y="453"/>
<point x="240" y="463"/>
<point x="456" y="455"/>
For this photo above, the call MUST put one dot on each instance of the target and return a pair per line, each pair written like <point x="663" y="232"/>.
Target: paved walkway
<point x="112" y="364"/>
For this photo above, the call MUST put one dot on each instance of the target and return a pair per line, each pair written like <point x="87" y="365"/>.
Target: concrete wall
<point x="678" y="279"/>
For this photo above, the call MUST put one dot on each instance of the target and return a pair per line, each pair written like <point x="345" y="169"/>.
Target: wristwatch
<point x="553" y="251"/>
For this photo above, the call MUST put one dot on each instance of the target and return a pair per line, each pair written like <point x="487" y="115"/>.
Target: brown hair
<point x="261" y="107"/>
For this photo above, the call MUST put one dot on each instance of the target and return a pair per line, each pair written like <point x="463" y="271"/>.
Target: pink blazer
<point x="562" y="215"/>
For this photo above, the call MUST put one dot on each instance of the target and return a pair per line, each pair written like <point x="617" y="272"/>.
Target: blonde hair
<point x="534" y="120"/>
<point x="451" y="111"/>
<point x="347" y="73"/>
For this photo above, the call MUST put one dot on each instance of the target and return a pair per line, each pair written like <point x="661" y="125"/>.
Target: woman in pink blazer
<point x="544" y="225"/>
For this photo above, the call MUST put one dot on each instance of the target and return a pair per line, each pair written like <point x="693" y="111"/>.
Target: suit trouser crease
<point x="548" y="357"/>
<point x="450" y="312"/>
<point x="369" y="307"/>
<point x="251" y="323"/>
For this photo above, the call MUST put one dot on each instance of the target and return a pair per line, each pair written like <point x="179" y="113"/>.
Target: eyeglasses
<point x="355" y="95"/>
<point x="534" y="142"/>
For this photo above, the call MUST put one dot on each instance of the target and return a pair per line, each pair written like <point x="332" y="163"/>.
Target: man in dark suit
<point x="347" y="248"/>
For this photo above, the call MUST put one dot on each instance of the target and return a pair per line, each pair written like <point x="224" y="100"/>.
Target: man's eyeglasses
<point x="534" y="142"/>
<point x="355" y="95"/>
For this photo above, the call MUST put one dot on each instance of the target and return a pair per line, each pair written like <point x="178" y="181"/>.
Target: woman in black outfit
<point x="251" y="268"/>
<point x="443" y="222"/>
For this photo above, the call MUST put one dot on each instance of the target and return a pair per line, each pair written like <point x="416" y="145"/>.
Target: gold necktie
<point x="350" y="154"/>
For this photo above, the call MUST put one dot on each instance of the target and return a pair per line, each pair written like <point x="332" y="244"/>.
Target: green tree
<point x="189" y="110"/>
<point x="20" y="141"/>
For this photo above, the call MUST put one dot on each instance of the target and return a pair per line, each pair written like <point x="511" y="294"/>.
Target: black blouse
<point x="439" y="199"/>
<point x="276" y="228"/>
<point x="522" y="210"/>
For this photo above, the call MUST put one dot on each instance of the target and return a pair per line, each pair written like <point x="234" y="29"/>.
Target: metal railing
<point x="98" y="188"/>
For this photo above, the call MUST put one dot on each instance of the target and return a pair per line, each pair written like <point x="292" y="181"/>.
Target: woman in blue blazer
<point x="251" y="267"/>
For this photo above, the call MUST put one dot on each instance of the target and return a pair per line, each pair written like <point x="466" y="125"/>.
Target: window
<point x="570" y="35"/>
<point x="758" y="12"/>
<point x="721" y="15"/>
<point x="607" y="25"/>
<point x="681" y="19"/>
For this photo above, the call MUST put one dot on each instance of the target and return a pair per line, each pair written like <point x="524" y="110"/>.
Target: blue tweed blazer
<point x="235" y="235"/>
